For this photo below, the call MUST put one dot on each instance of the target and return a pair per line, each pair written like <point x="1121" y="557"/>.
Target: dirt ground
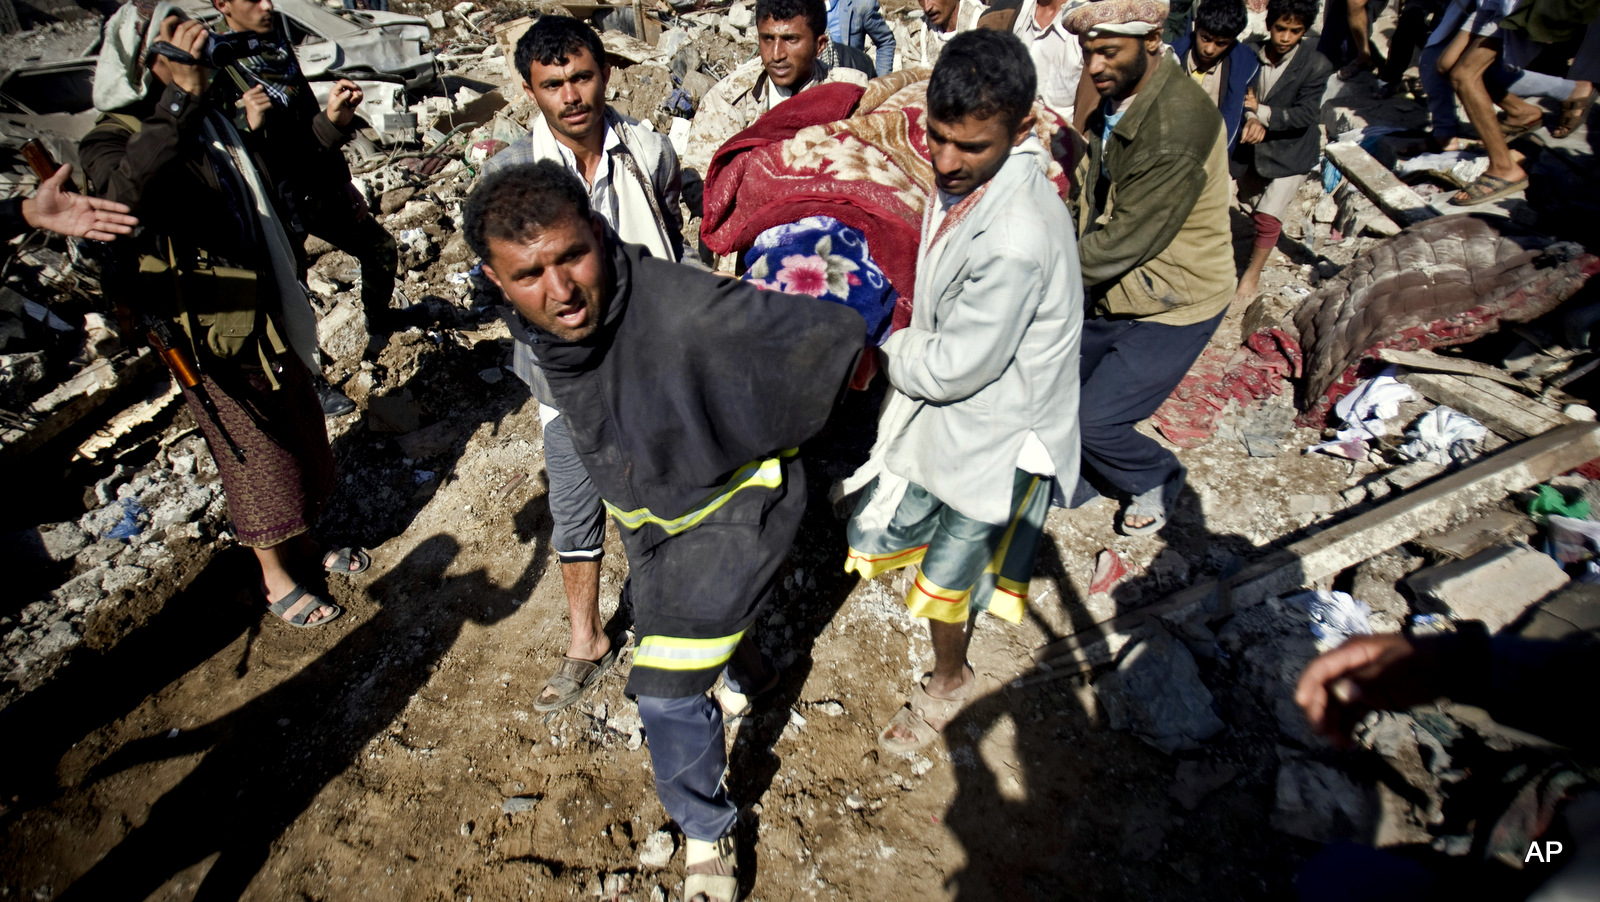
<point x="211" y="753"/>
<point x="193" y="749"/>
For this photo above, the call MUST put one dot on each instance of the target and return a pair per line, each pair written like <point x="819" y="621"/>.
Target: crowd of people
<point x="674" y="394"/>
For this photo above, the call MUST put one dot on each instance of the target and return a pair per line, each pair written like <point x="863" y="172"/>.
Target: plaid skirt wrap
<point x="276" y="492"/>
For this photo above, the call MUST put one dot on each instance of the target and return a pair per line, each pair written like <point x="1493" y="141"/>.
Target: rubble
<point x="1494" y="586"/>
<point x="1156" y="693"/>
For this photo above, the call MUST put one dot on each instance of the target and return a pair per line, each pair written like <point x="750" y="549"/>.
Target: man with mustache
<point x="689" y="395"/>
<point x="1154" y="243"/>
<point x="792" y="36"/>
<point x="924" y="39"/>
<point x="633" y="183"/>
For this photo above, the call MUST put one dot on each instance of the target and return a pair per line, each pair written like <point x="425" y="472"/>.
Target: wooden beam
<point x="1392" y="196"/>
<point x="1424" y="509"/>
<point x="1508" y="413"/>
<point x="1438" y="363"/>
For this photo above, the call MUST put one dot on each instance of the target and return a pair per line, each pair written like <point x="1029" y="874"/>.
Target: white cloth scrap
<point x="1444" y="436"/>
<point x="1364" y="410"/>
<point x="1334" y="616"/>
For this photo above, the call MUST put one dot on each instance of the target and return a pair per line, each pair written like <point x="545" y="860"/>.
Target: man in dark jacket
<point x="1281" y="140"/>
<point x="299" y="146"/>
<point x="1153" y="240"/>
<point x="1206" y="53"/>
<point x="687" y="395"/>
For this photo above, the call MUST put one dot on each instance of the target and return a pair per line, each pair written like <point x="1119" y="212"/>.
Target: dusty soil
<point x="212" y="752"/>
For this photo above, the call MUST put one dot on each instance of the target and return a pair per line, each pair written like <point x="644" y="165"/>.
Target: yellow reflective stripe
<point x="756" y="474"/>
<point x="673" y="653"/>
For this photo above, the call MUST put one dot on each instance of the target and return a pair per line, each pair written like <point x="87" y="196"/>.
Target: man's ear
<point x="488" y="270"/>
<point x="528" y="90"/>
<point x="1024" y="128"/>
<point x="1152" y="42"/>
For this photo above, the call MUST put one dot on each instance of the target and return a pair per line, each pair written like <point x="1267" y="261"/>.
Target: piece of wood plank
<point x="1438" y="363"/>
<point x="1426" y="508"/>
<point x="73" y="400"/>
<point x="1381" y="186"/>
<point x="1502" y="410"/>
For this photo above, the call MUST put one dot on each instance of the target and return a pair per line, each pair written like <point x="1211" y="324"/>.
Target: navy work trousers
<point x="1128" y="367"/>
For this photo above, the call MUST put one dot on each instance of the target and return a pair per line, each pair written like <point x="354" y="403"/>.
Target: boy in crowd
<point x="1206" y="52"/>
<point x="1279" y="143"/>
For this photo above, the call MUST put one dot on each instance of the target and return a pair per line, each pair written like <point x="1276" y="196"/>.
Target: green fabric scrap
<point x="1547" y="500"/>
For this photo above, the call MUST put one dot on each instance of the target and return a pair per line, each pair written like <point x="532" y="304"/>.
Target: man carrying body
<point x="1206" y="52"/>
<point x="1154" y="243"/>
<point x="984" y="402"/>
<point x="299" y="146"/>
<point x="791" y="34"/>
<point x="941" y="20"/>
<point x="688" y="394"/>
<point x="632" y="178"/>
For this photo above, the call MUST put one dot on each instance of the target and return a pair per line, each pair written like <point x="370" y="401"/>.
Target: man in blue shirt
<point x="851" y="22"/>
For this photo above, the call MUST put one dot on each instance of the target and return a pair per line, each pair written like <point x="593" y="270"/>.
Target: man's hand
<point x="1250" y="101"/>
<point x="1253" y="131"/>
<point x="256" y="103"/>
<point x="1367" y="673"/>
<point x="75" y="215"/>
<point x="342" y="102"/>
<point x="189" y="36"/>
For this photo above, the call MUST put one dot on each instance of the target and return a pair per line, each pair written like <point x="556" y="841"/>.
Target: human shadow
<point x="266" y="761"/>
<point x="1050" y="804"/>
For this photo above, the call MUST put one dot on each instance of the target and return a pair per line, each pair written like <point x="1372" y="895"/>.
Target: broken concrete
<point x="1156" y="693"/>
<point x="1494" y="586"/>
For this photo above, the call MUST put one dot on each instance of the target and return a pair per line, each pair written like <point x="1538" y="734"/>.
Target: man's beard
<point x="1129" y="78"/>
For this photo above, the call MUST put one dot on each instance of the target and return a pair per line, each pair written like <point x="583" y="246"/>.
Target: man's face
<point x="968" y="152"/>
<point x="789" y="50"/>
<point x="1209" y="48"/>
<point x="246" y="15"/>
<point x="572" y="95"/>
<point x="1116" y="64"/>
<point x="941" y="14"/>
<point x="557" y="279"/>
<point x="1286" y="32"/>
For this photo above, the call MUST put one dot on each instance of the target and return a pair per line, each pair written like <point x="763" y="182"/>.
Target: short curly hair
<point x="520" y="201"/>
<point x="552" y="39"/>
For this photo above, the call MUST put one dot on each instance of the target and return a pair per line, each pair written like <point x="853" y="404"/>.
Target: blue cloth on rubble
<point x="822" y="257"/>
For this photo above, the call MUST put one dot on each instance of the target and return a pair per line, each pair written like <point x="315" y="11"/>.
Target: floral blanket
<point x="824" y="258"/>
<point x="870" y="171"/>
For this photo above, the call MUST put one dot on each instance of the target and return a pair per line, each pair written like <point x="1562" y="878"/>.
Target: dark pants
<point x="690" y="757"/>
<point x="374" y="248"/>
<point x="1128" y="367"/>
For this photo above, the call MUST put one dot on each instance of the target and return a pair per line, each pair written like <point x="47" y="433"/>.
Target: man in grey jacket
<point x="632" y="178"/>
<point x="984" y="407"/>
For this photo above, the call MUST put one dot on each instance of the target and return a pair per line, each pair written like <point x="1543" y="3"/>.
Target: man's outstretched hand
<point x="1367" y="673"/>
<point x="75" y="215"/>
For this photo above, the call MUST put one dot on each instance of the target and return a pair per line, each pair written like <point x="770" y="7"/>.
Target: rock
<point x="394" y="413"/>
<point x="18" y="373"/>
<point x="740" y="16"/>
<point x="1300" y="505"/>
<point x="62" y="541"/>
<point x="418" y="213"/>
<point x="183" y="506"/>
<point x="657" y="849"/>
<point x="1413" y="473"/>
<point x="343" y="332"/>
<point x="492" y="375"/>
<point x="395" y="201"/>
<point x="1318" y="802"/>
<point x="125" y="576"/>
<point x="1374" y="583"/>
<point x="1494" y="586"/>
<point x="1156" y="693"/>
<point x="1195" y="780"/>
<point x="696" y="85"/>
<point x="518" y="804"/>
<point x="430" y="441"/>
<point x="61" y="636"/>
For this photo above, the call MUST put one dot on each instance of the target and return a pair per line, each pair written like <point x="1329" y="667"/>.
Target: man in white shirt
<point x="1057" y="58"/>
<point x="633" y="180"/>
<point x="983" y="409"/>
